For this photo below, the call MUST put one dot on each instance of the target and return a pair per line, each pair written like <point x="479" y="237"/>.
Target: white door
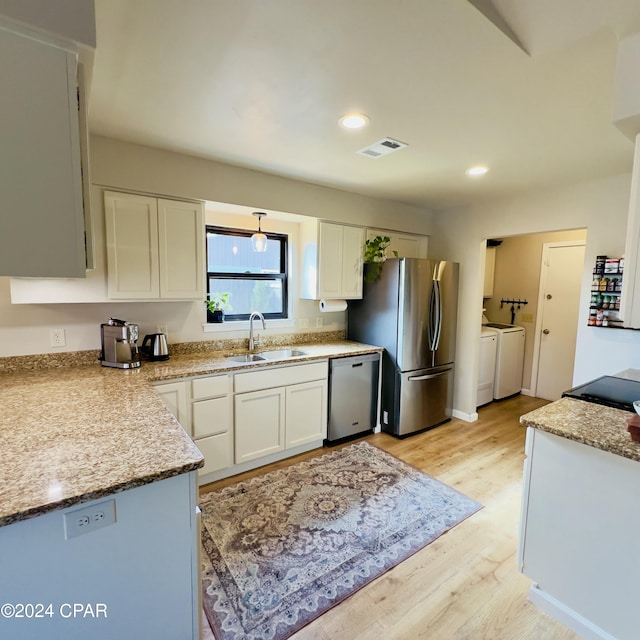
<point x="558" y="307"/>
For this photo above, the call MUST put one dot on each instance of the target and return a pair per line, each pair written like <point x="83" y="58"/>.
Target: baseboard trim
<point x="568" y="617"/>
<point x="528" y="392"/>
<point x="467" y="417"/>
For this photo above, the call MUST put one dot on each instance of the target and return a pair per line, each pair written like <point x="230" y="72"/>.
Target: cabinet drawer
<point x="280" y="377"/>
<point x="210" y="387"/>
<point x="211" y="416"/>
<point x="217" y="452"/>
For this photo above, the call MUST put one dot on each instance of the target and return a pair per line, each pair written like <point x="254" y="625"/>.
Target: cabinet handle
<point x="428" y="377"/>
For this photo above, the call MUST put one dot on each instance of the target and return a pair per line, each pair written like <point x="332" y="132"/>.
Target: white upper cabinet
<point x="41" y="208"/>
<point x="408" y="245"/>
<point x="155" y="248"/>
<point x="489" y="272"/>
<point x="630" y="298"/>
<point x="181" y="244"/>
<point x="332" y="256"/>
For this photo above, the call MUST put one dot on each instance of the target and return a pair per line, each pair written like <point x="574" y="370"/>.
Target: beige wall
<point x="599" y="206"/>
<point x="135" y="167"/>
<point x="517" y="276"/>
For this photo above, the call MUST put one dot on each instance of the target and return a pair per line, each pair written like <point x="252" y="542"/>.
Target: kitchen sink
<point x="282" y="354"/>
<point x="248" y="357"/>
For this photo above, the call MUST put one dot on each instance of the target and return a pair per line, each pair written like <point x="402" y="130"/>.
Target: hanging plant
<point x="374" y="255"/>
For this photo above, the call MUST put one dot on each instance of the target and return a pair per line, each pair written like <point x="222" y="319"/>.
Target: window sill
<point x="243" y="325"/>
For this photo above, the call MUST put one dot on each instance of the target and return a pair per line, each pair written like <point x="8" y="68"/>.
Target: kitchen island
<point x="580" y="517"/>
<point x="82" y="446"/>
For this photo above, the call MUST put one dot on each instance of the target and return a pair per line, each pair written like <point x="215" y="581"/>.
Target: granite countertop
<point x="592" y="424"/>
<point x="69" y="435"/>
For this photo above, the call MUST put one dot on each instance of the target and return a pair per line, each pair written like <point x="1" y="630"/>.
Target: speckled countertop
<point x="69" y="435"/>
<point x="591" y="424"/>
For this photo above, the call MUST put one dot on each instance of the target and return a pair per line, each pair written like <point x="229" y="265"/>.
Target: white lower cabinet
<point x="281" y="409"/>
<point x="174" y="395"/>
<point x="578" y="535"/>
<point x="203" y="407"/>
<point x="273" y="410"/>
<point x="259" y="424"/>
<point x="306" y="419"/>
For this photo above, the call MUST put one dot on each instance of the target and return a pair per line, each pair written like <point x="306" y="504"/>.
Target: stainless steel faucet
<point x="253" y="342"/>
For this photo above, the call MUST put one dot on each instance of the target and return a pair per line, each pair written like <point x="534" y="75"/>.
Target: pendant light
<point x="259" y="239"/>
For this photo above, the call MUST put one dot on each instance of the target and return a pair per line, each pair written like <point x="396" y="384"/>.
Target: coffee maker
<point x="119" y="344"/>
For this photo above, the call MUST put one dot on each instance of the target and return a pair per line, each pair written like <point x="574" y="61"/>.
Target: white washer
<point x="509" y="359"/>
<point x="487" y="368"/>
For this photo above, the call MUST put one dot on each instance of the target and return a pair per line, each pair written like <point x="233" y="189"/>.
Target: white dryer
<point x="509" y="359"/>
<point x="487" y="367"/>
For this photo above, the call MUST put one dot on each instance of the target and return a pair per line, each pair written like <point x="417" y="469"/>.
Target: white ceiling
<point x="261" y="84"/>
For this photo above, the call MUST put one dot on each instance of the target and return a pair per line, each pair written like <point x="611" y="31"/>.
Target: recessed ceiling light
<point x="353" y="121"/>
<point x="478" y="170"/>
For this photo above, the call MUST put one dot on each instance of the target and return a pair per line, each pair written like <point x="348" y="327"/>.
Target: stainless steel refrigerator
<point x="411" y="311"/>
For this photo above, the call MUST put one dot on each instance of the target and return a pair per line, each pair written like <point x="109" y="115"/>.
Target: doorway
<point x="557" y="325"/>
<point x="518" y="275"/>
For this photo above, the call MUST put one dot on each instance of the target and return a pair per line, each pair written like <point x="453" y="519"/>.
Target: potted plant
<point x="217" y="304"/>
<point x="375" y="255"/>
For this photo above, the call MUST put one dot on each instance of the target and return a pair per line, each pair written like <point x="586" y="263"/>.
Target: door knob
<point x="546" y="332"/>
<point x="549" y="296"/>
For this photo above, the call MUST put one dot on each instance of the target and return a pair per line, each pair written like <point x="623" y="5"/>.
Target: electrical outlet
<point x="527" y="317"/>
<point x="88" y="519"/>
<point x="162" y="328"/>
<point x="56" y="337"/>
<point x="319" y="322"/>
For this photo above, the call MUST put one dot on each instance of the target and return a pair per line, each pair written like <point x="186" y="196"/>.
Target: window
<point x="256" y="281"/>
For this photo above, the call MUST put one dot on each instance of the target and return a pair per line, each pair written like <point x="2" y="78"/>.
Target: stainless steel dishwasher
<point x="353" y="396"/>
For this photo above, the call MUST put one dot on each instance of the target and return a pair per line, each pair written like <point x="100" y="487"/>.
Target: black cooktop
<point x="609" y="391"/>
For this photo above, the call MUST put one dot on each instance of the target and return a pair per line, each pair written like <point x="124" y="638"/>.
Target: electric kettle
<point x="154" y="346"/>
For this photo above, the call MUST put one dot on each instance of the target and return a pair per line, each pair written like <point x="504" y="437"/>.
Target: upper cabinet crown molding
<point x="407" y="245"/>
<point x="42" y="228"/>
<point x="155" y="248"/>
<point x="332" y="259"/>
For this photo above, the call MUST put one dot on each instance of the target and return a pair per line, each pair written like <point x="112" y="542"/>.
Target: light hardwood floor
<point x="465" y="584"/>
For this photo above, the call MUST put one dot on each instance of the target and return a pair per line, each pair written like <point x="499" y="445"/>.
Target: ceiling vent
<point x="382" y="148"/>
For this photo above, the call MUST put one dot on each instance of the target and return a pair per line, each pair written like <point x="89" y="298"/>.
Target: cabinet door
<point x="489" y="272"/>
<point x="352" y="259"/>
<point x="217" y="451"/>
<point x="132" y="246"/>
<point x="42" y="223"/>
<point x="181" y="249"/>
<point x="210" y="417"/>
<point x="407" y="245"/>
<point x="306" y="418"/>
<point x="330" y="261"/>
<point x="174" y="395"/>
<point x="259" y="424"/>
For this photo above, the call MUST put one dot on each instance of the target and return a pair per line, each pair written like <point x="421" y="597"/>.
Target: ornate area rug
<point x="284" y="547"/>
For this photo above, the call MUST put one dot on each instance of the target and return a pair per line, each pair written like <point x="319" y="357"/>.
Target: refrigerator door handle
<point x="429" y="376"/>
<point x="434" y="327"/>
<point x="438" y="327"/>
